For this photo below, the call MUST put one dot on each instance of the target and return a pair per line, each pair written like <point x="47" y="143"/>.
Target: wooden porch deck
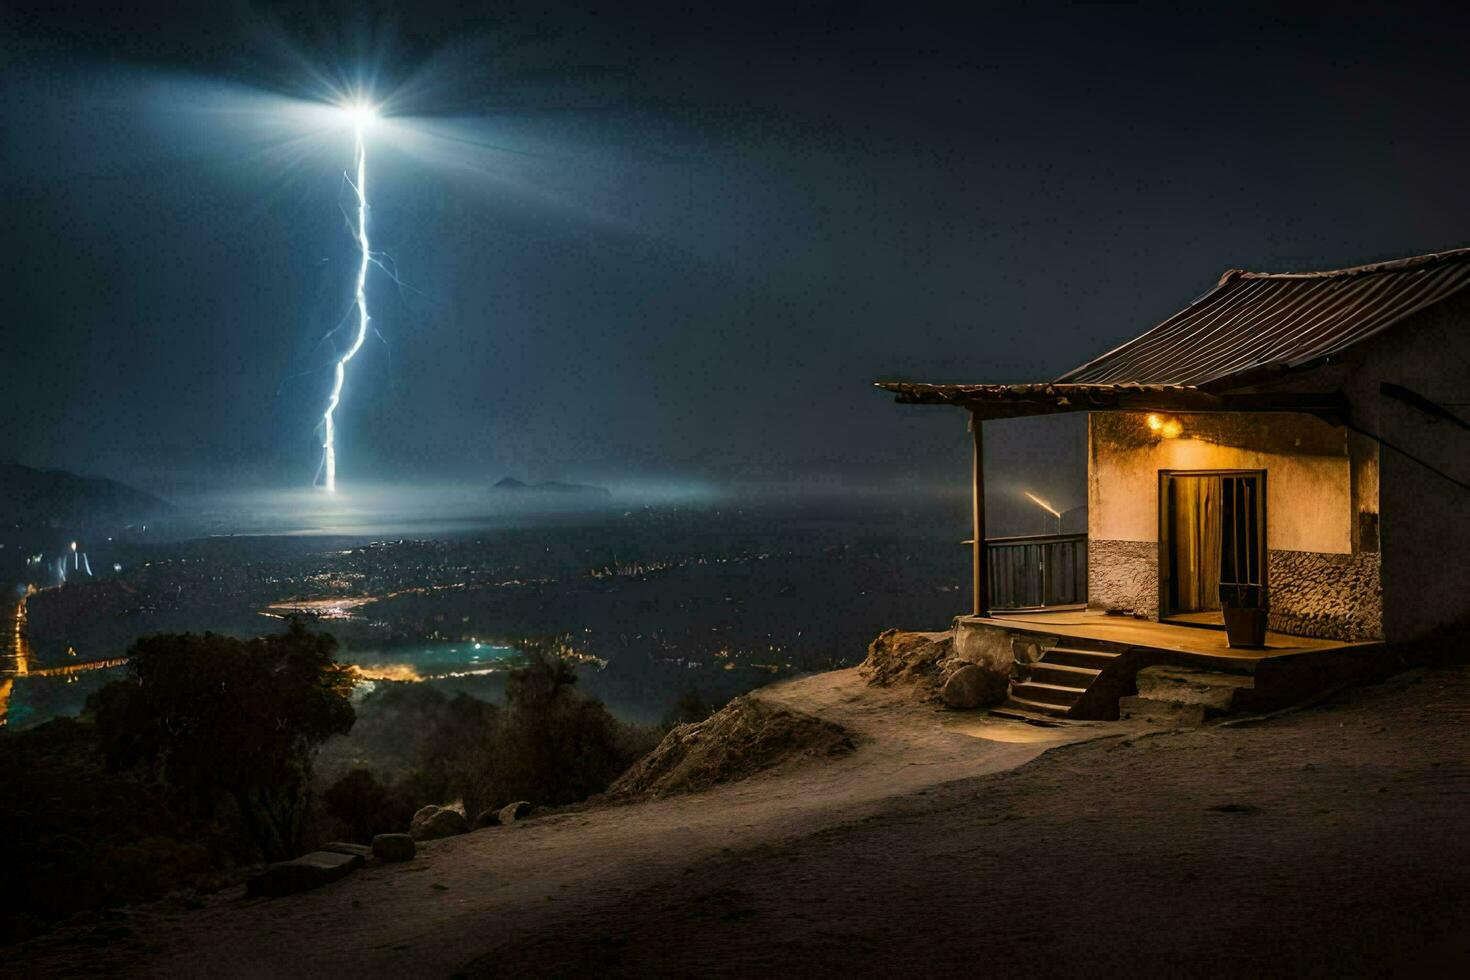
<point x="1126" y="631"/>
<point x="1083" y="661"/>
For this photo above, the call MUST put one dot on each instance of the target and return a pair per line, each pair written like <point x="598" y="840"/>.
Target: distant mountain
<point x="32" y="496"/>
<point x="551" y="486"/>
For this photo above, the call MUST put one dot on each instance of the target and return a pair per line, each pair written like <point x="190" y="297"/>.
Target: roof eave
<point x="1027" y="400"/>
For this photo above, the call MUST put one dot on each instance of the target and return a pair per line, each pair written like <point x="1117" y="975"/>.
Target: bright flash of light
<point x="362" y="115"/>
<point x="1166" y="427"/>
<point x="1043" y="504"/>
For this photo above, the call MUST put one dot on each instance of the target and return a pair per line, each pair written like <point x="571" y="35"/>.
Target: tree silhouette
<point x="555" y="746"/>
<point x="215" y="718"/>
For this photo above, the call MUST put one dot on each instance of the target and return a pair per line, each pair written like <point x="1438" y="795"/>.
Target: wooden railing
<point x="1033" y="571"/>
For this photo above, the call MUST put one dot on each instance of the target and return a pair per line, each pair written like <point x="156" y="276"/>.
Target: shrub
<point x="78" y="835"/>
<point x="213" y="717"/>
<point x="367" y="807"/>
<point x="549" y="744"/>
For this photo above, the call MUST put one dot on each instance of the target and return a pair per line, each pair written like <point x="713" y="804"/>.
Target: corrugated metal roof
<point x="1021" y="400"/>
<point x="1255" y="321"/>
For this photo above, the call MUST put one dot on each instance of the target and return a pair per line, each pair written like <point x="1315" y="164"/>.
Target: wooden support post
<point x="977" y="511"/>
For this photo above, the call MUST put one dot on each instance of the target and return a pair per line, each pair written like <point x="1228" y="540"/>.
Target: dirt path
<point x="465" y="896"/>
<point x="1330" y="842"/>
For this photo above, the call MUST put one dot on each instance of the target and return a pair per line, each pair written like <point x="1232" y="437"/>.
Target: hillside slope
<point x="1328" y="841"/>
<point x="34" y="496"/>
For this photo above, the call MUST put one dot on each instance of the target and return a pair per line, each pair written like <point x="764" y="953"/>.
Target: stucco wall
<point x="1309" y="494"/>
<point x="1425" y="523"/>
<point x="1424" y="518"/>
<point x="1318" y="586"/>
<point x="1123" y="576"/>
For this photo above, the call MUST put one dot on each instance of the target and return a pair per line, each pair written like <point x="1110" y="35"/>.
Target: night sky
<point x="675" y="244"/>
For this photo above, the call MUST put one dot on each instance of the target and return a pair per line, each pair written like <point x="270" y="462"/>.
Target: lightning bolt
<point x="361" y="116"/>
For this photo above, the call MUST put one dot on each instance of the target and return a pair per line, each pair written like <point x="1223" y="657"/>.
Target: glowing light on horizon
<point x="1043" y="504"/>
<point x="362" y="115"/>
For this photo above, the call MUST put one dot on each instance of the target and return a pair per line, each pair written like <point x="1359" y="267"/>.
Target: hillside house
<point x="1294" y="445"/>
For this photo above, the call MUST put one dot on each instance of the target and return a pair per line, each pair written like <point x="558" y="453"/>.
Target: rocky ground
<point x="1329" y="840"/>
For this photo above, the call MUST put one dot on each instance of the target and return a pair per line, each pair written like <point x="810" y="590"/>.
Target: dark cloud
<point x="698" y="234"/>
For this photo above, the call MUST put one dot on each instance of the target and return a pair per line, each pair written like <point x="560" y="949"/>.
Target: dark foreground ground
<point x="1335" y="841"/>
<point x="1332" y="841"/>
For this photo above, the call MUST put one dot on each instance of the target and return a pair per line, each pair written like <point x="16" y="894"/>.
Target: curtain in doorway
<point x="1196" y="535"/>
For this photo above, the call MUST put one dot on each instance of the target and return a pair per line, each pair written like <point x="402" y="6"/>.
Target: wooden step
<point x="1030" y="711"/>
<point x="1073" y="657"/>
<point x="1058" y="694"/>
<point x="1064" y="674"/>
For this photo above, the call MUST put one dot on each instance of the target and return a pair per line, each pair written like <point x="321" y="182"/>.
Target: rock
<point x="745" y="737"/>
<point x="1217" y="692"/>
<point x="394" y="847"/>
<point x="947" y="668"/>
<point x="342" y="847"/>
<point x="433" y="822"/>
<point x="488" y="818"/>
<point x="972" y="686"/>
<point x="309" y="871"/>
<point x="512" y="812"/>
<point x="898" y="657"/>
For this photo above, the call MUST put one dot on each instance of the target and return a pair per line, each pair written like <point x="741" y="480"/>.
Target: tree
<point x="458" y="753"/>
<point x="545" y="679"/>
<point x="555" y="746"/>
<point x="214" y="718"/>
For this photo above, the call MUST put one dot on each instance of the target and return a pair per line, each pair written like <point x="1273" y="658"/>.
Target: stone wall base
<point x="1335" y="597"/>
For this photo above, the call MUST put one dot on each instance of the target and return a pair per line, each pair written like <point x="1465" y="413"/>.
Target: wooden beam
<point x="980" y="576"/>
<point x="1025" y="400"/>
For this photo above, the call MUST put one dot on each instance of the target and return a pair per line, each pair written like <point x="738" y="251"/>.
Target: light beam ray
<point x="362" y="115"/>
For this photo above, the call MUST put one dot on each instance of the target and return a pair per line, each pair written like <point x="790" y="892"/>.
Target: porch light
<point x="1164" y="427"/>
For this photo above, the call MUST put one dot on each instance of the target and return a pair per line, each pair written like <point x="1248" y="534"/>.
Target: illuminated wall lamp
<point x="1164" y="427"/>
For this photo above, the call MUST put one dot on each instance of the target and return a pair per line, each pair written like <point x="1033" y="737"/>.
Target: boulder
<point x="947" y="668"/>
<point x="512" y="812"/>
<point x="308" y="871"/>
<point x="746" y="737"/>
<point x="1215" y="691"/>
<point x="488" y="818"/>
<point x="433" y="822"/>
<point x="972" y="686"/>
<point x="900" y="657"/>
<point x="342" y="847"/>
<point x="421" y="816"/>
<point x="394" y="847"/>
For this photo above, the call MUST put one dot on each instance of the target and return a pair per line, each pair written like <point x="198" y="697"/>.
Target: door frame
<point x="1165" y="563"/>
